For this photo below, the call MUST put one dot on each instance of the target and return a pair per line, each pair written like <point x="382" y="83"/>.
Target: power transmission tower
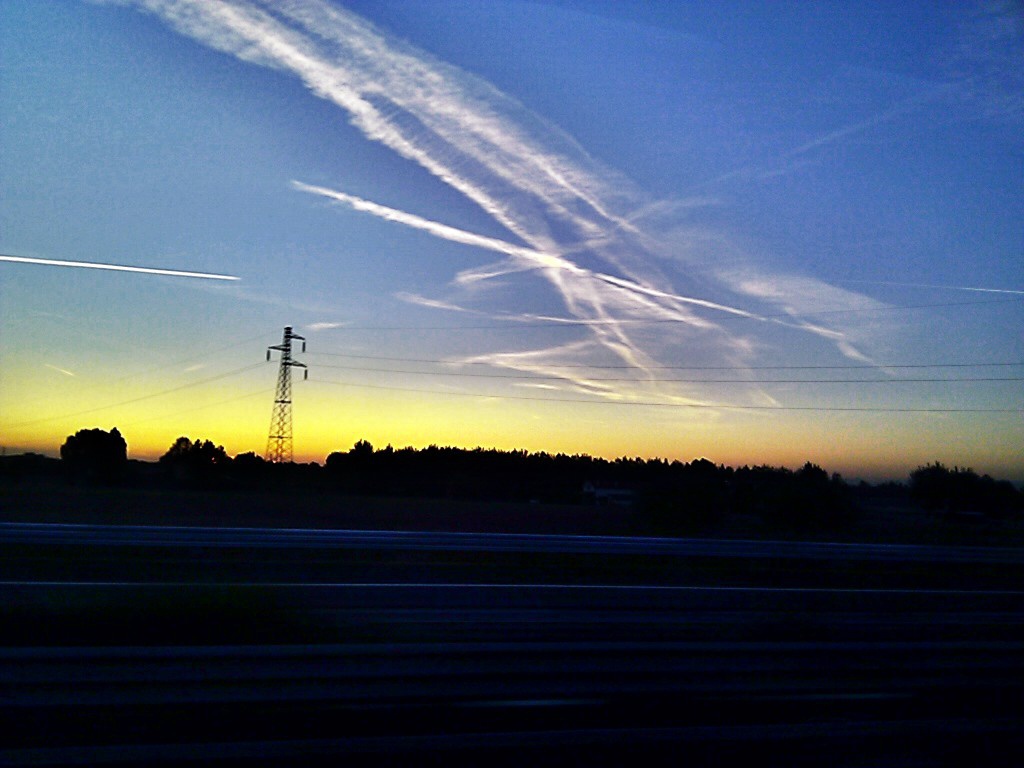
<point x="279" y="440"/>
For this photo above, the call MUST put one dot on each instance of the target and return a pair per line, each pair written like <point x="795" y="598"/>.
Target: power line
<point x="705" y="406"/>
<point x="681" y="367"/>
<point x="163" y="366"/>
<point x="568" y="322"/>
<point x="190" y="384"/>
<point x="533" y="377"/>
<point x="205" y="406"/>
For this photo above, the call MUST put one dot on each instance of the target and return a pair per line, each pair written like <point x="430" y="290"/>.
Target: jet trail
<point x="436" y="228"/>
<point x="571" y="220"/>
<point x="65" y="371"/>
<point x="940" y="287"/>
<point x="116" y="267"/>
<point x="534" y="259"/>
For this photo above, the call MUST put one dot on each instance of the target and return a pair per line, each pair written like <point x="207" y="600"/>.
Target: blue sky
<point x="614" y="228"/>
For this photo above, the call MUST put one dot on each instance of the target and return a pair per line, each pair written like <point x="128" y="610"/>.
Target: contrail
<point x="436" y="228"/>
<point x="940" y="287"/>
<point x="900" y="108"/>
<point x="116" y="267"/>
<point x="536" y="259"/>
<point x="65" y="371"/>
<point x="570" y="219"/>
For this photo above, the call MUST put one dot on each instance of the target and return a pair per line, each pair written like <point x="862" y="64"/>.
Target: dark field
<point x="157" y="626"/>
<point x="53" y="500"/>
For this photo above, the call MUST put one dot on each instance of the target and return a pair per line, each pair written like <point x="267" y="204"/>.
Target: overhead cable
<point x="662" y="404"/>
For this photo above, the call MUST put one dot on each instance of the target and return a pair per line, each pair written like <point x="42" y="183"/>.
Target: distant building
<point x="605" y="496"/>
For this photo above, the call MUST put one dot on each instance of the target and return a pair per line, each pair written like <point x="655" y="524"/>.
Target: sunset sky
<point x="753" y="232"/>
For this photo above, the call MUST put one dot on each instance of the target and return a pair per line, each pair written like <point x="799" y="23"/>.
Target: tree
<point x="95" y="455"/>
<point x="363" y="449"/>
<point x="250" y="468"/>
<point x="199" y="453"/>
<point x="196" y="462"/>
<point x="930" y="486"/>
<point x="249" y="462"/>
<point x="359" y="469"/>
<point x="936" y="487"/>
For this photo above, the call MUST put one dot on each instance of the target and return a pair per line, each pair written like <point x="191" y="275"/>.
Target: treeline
<point x="939" y="488"/>
<point x="672" y="496"/>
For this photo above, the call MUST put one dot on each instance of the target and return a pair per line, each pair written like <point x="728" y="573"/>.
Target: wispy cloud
<point x="795" y="158"/>
<point x="988" y="63"/>
<point x="801" y="298"/>
<point x="580" y="229"/>
<point x="65" y="371"/>
<point x="115" y="267"/>
<point x="324" y="326"/>
<point x="423" y="301"/>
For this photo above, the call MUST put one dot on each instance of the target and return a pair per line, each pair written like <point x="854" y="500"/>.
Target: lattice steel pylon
<point x="279" y="439"/>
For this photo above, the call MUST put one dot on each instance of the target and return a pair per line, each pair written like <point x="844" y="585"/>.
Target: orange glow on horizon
<point x="871" y="445"/>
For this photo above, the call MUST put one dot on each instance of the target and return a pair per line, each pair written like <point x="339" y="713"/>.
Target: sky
<point x="760" y="233"/>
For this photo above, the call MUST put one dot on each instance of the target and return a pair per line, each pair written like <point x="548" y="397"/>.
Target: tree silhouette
<point x="939" y="488"/>
<point x="200" y="452"/>
<point x="200" y="462"/>
<point x="95" y="455"/>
